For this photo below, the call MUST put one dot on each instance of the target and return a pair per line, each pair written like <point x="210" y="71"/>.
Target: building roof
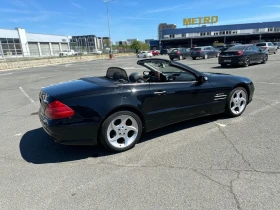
<point x="222" y="28"/>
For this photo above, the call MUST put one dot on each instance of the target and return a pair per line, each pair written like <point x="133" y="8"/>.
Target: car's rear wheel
<point x="236" y="102"/>
<point x="121" y="131"/>
<point x="205" y="56"/>
<point x="265" y="58"/>
<point x="246" y="62"/>
<point x="180" y="57"/>
<point x="194" y="58"/>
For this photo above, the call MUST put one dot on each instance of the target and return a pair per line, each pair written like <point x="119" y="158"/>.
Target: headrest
<point x="136" y="77"/>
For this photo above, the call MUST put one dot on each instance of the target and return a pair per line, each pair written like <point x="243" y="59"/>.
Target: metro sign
<point x="200" y="20"/>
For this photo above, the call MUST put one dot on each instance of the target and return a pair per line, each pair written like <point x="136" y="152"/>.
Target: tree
<point x="136" y="45"/>
<point x="107" y="42"/>
<point x="145" y="46"/>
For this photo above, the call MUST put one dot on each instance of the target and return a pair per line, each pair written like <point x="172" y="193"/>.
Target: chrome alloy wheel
<point x="122" y="131"/>
<point x="247" y="61"/>
<point x="238" y="102"/>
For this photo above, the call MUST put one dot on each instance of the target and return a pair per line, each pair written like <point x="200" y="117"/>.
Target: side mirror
<point x="202" y="79"/>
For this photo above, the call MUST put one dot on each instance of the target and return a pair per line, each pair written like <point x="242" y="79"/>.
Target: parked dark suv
<point x="179" y="53"/>
<point x="204" y="52"/>
<point x="164" y="52"/>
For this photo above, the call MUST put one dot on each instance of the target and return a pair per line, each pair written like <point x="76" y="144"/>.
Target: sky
<point x="129" y="19"/>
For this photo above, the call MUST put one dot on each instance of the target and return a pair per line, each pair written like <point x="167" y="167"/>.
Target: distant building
<point x="147" y="41"/>
<point x="124" y="42"/>
<point x="130" y="41"/>
<point x="89" y="43"/>
<point x="164" y="26"/>
<point x="244" y="33"/>
<point x="18" y="42"/>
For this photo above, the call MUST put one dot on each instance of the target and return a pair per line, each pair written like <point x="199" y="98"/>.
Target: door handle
<point x="159" y="92"/>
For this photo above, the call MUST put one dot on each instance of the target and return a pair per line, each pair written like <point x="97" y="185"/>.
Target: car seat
<point x="136" y="77"/>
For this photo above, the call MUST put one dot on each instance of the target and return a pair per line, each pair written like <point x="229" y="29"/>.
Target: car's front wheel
<point x="236" y="102"/>
<point x="121" y="131"/>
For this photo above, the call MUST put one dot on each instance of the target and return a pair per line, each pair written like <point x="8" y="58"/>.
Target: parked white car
<point x="98" y="52"/>
<point x="67" y="53"/>
<point x="144" y="54"/>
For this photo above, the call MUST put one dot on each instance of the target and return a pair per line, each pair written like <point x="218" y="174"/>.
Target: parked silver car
<point x="267" y="46"/>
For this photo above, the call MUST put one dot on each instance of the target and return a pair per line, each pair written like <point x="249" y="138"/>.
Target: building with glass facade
<point x="18" y="42"/>
<point x="216" y="35"/>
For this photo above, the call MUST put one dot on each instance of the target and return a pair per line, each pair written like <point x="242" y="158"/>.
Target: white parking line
<point x="30" y="99"/>
<point x="267" y="83"/>
<point x="221" y="125"/>
<point x="5" y="74"/>
<point x="19" y="134"/>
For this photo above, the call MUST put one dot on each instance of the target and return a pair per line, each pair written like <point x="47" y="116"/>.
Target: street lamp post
<point x="111" y="51"/>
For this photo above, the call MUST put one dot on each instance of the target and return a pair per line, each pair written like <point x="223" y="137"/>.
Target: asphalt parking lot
<point x="209" y="163"/>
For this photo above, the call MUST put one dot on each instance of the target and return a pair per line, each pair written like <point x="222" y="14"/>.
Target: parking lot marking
<point x="267" y="83"/>
<point x="19" y="134"/>
<point x="5" y="74"/>
<point x="30" y="99"/>
<point x="264" y="108"/>
<point x="221" y="125"/>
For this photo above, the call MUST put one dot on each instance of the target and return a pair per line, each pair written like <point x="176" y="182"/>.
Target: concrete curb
<point x="13" y="65"/>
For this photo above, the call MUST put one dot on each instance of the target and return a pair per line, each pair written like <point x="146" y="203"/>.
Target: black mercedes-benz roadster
<point x="117" y="109"/>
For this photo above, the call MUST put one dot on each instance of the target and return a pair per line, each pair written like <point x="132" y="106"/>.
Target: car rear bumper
<point x="197" y="55"/>
<point x="231" y="60"/>
<point x="173" y="56"/>
<point x="73" y="134"/>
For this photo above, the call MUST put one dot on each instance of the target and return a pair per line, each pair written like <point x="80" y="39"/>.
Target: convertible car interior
<point x="155" y="72"/>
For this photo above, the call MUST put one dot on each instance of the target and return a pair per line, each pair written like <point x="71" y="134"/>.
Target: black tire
<point x="246" y="62"/>
<point x="172" y="59"/>
<point x="205" y="56"/>
<point x="275" y="52"/>
<point x="103" y="134"/>
<point x="194" y="58"/>
<point x="180" y="57"/>
<point x="228" y="111"/>
<point x="264" y="59"/>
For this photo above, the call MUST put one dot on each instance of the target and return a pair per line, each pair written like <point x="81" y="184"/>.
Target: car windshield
<point x="175" y="50"/>
<point x="237" y="47"/>
<point x="261" y="44"/>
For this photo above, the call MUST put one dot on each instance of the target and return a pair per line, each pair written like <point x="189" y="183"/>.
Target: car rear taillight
<point x="57" y="110"/>
<point x="178" y="52"/>
<point x="239" y="53"/>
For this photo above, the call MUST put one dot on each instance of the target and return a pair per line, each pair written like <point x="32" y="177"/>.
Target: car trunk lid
<point x="83" y="86"/>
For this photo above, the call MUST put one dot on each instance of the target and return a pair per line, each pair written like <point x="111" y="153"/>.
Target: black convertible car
<point x="117" y="109"/>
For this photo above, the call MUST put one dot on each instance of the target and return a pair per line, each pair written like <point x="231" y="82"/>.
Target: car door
<point x="271" y="47"/>
<point x="180" y="99"/>
<point x="212" y="51"/>
<point x="251" y="54"/>
<point x="259" y="56"/>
